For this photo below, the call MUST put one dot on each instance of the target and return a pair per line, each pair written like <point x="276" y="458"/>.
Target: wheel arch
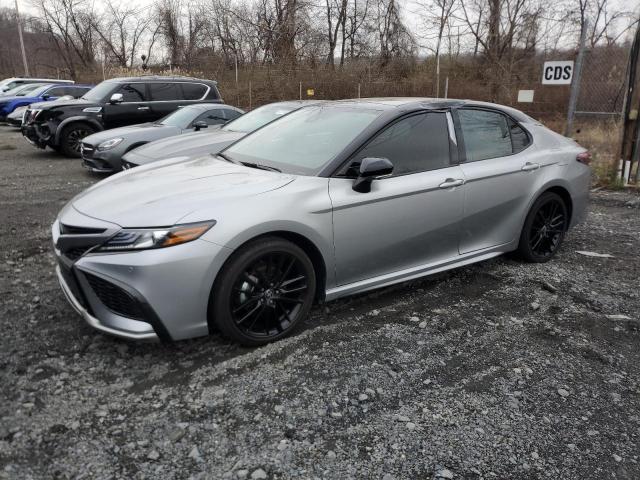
<point x="77" y="119"/>
<point x="310" y="249"/>
<point x="563" y="193"/>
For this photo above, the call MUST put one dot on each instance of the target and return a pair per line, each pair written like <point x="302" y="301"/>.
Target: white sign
<point x="557" y="73"/>
<point x="525" y="96"/>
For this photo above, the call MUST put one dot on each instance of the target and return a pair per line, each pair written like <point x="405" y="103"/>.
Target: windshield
<point x="255" y="119"/>
<point x="22" y="90"/>
<point x="181" y="118"/>
<point x="99" y="92"/>
<point x="304" y="141"/>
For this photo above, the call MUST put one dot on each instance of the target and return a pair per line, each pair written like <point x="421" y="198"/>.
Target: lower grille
<point x="75" y="253"/>
<point x="115" y="298"/>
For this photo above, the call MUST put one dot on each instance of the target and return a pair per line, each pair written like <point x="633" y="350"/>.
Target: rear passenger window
<point x="56" y="92"/>
<point x="486" y="134"/>
<point x="193" y="91"/>
<point x="490" y="134"/>
<point x="165" y="92"/>
<point x="132" y="92"/>
<point x="413" y="144"/>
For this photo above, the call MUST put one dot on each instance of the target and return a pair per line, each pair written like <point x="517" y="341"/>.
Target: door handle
<point x="528" y="167"/>
<point x="452" y="182"/>
<point x="143" y="108"/>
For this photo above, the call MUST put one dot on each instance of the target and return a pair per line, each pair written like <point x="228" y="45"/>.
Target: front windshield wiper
<point x="225" y="157"/>
<point x="260" y="166"/>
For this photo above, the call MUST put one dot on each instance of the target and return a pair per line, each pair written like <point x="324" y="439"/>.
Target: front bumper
<point x="100" y="162"/>
<point x="130" y="329"/>
<point x="141" y="295"/>
<point x="36" y="135"/>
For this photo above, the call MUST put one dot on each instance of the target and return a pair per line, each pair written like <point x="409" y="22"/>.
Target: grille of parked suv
<point x="115" y="298"/>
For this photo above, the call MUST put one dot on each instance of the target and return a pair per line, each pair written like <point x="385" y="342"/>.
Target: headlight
<point x="147" y="238"/>
<point x="109" y="144"/>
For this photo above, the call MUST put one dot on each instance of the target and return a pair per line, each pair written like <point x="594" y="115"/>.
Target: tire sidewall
<point x="64" y="147"/>
<point x="219" y="301"/>
<point x="524" y="248"/>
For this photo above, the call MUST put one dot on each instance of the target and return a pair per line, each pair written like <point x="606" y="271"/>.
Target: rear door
<point x="501" y="174"/>
<point x="409" y="219"/>
<point x="166" y="97"/>
<point x="133" y="109"/>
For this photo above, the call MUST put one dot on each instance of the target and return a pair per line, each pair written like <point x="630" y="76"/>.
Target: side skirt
<point x="415" y="272"/>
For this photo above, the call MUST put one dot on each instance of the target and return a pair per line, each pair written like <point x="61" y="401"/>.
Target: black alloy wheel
<point x="71" y="138"/>
<point x="544" y="229"/>
<point x="263" y="292"/>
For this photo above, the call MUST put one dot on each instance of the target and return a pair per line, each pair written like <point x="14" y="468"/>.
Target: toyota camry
<point x="331" y="200"/>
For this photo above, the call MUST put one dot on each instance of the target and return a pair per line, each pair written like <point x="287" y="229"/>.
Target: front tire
<point x="263" y="292"/>
<point x="71" y="138"/>
<point x="544" y="229"/>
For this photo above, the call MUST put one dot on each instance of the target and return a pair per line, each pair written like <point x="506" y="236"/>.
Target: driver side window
<point x="413" y="144"/>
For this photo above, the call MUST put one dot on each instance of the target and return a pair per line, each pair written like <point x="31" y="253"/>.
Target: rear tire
<point x="263" y="292"/>
<point x="544" y="229"/>
<point x="71" y="138"/>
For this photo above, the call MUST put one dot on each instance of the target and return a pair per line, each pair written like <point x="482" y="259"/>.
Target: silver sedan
<point x="328" y="201"/>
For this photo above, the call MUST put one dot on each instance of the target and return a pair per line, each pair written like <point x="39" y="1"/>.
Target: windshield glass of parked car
<point x="181" y="118"/>
<point x="257" y="118"/>
<point x="24" y="90"/>
<point x="304" y="141"/>
<point x="99" y="92"/>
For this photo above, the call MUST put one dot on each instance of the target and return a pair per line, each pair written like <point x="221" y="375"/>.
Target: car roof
<point x="159" y="78"/>
<point x="406" y="103"/>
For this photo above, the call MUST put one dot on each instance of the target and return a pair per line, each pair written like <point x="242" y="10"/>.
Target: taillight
<point x="584" y="157"/>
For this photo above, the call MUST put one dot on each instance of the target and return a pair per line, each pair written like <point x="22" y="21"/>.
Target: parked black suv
<point x="118" y="102"/>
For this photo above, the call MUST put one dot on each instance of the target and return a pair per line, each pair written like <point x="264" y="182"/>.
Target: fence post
<point x="446" y="87"/>
<point x="249" y="94"/>
<point x="358" y="91"/>
<point x="575" y="84"/>
<point x="300" y="90"/>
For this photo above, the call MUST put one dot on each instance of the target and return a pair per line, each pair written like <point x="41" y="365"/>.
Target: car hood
<point x="154" y="197"/>
<point x="143" y="131"/>
<point x="76" y="102"/>
<point x="187" y="144"/>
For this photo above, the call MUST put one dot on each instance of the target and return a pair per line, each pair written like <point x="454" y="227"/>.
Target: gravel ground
<point x="500" y="370"/>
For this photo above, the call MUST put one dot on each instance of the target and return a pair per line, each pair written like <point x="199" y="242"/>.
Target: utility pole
<point x="630" y="148"/>
<point x="575" y="84"/>
<point x="24" y="55"/>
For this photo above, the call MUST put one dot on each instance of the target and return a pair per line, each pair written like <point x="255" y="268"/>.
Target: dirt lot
<point x="500" y="370"/>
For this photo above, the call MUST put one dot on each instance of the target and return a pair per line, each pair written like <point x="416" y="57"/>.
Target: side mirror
<point x="46" y="96"/>
<point x="370" y="169"/>
<point x="200" y="125"/>
<point x="116" y="98"/>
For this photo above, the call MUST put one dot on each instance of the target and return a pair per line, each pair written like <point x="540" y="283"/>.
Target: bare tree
<point x="70" y="25"/>
<point x="121" y="29"/>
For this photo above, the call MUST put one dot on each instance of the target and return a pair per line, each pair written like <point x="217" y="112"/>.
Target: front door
<point x="407" y="220"/>
<point x="133" y="109"/>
